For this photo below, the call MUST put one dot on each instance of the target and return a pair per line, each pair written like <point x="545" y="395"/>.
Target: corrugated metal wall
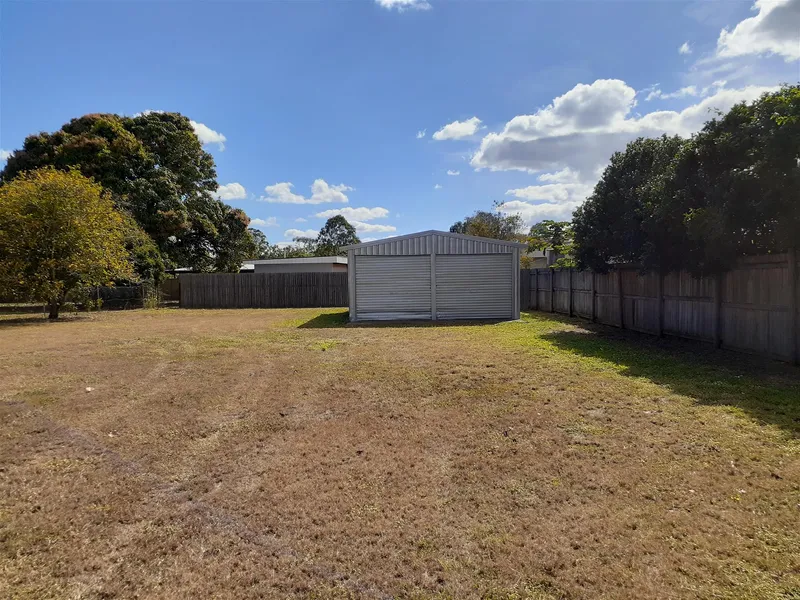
<point x="474" y="286"/>
<point x="480" y="278"/>
<point x="393" y="287"/>
<point x="430" y="243"/>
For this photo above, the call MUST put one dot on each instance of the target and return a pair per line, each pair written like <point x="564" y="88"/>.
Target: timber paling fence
<point x="263" y="290"/>
<point x="752" y="308"/>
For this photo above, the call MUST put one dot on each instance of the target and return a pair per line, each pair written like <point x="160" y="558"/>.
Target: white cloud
<point x="359" y="214"/>
<point x="685" y="48"/>
<point x="144" y="113"/>
<point x="689" y="90"/>
<point x="458" y="129"/>
<point x="268" y="222"/>
<point x="453" y="173"/>
<point x="565" y="175"/>
<point x="5" y="154"/>
<point x="421" y="133"/>
<point x="296" y="233"/>
<point x="533" y="213"/>
<point x="775" y="29"/>
<point x="585" y="126"/>
<point x="300" y="220"/>
<point x="558" y="193"/>
<point x="569" y="142"/>
<point x="362" y="227"/>
<point x="437" y="187"/>
<point x="321" y="192"/>
<point x="404" y="5"/>
<point x="206" y="135"/>
<point x="231" y="191"/>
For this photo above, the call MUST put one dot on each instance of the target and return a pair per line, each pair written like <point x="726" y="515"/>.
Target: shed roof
<point x="434" y="232"/>
<point x="340" y="260"/>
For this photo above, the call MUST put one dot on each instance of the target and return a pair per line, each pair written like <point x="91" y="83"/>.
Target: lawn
<point x="287" y="454"/>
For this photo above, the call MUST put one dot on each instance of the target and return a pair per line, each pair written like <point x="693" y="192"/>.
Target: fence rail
<point x="263" y="290"/>
<point x="752" y="308"/>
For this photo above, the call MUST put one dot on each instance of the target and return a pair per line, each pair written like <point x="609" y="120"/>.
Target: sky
<point x="402" y="115"/>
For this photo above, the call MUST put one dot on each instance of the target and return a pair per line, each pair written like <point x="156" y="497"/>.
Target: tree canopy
<point x="495" y="224"/>
<point x="731" y="190"/>
<point x="155" y="168"/>
<point x="59" y="231"/>
<point x="336" y="233"/>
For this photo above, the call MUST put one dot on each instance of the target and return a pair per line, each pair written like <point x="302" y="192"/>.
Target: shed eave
<point x="439" y="233"/>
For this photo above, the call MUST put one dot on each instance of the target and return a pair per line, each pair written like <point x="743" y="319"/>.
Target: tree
<point x="156" y="169"/>
<point x="608" y="227"/>
<point x="262" y="248"/>
<point x="59" y="232"/>
<point x="336" y="232"/>
<point x="734" y="190"/>
<point x="556" y="236"/>
<point x="495" y="225"/>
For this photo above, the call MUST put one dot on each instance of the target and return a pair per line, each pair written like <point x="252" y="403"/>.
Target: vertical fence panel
<point x="263" y="290"/>
<point x="752" y="308"/>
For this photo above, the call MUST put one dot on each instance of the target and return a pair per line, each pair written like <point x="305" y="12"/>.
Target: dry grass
<point x="283" y="454"/>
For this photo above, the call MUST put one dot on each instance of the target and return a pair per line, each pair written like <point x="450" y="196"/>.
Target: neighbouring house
<point x="539" y="259"/>
<point x="316" y="264"/>
<point x="434" y="275"/>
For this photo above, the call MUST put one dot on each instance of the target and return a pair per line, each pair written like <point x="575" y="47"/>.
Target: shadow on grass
<point x="767" y="390"/>
<point x="30" y="320"/>
<point x="331" y="320"/>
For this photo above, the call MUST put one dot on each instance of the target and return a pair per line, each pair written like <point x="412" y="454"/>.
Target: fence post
<point x="660" y="304"/>
<point x="621" y="299"/>
<point x="570" y="292"/>
<point x="794" y="350"/>
<point x="594" y="297"/>
<point x="536" y="289"/>
<point x="718" y="311"/>
<point x="552" y="289"/>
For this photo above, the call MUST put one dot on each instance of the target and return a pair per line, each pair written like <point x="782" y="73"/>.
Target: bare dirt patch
<point x="286" y="454"/>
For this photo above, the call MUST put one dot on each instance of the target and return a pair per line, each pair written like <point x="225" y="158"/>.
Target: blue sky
<point x="526" y="101"/>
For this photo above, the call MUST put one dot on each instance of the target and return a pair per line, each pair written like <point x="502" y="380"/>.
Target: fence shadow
<point x="342" y="319"/>
<point x="767" y="390"/>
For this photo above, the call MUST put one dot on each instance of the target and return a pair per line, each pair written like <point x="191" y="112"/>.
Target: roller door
<point x="474" y="286"/>
<point x="393" y="287"/>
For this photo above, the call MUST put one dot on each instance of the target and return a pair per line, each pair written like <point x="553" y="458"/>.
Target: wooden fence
<point x="263" y="290"/>
<point x="753" y="308"/>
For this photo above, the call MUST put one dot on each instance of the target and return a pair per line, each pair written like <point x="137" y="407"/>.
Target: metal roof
<point x="433" y="232"/>
<point x="340" y="260"/>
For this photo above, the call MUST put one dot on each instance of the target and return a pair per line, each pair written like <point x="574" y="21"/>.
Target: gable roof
<point x="434" y="232"/>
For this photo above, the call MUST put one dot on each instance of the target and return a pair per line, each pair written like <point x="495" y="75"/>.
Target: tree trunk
<point x="54" y="306"/>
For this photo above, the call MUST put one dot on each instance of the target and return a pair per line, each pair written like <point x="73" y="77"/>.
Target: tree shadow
<point x="34" y="319"/>
<point x="765" y="389"/>
<point x="342" y="319"/>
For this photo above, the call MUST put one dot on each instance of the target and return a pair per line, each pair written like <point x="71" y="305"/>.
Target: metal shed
<point x="433" y="275"/>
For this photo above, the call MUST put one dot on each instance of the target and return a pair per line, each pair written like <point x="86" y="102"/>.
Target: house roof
<point x="340" y="260"/>
<point x="461" y="236"/>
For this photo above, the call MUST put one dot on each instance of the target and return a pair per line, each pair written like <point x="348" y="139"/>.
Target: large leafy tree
<point x="156" y="169"/>
<point x="700" y="204"/>
<point x="608" y="227"/>
<point x="336" y="233"/>
<point x="735" y="189"/>
<point x="59" y="231"/>
<point x="495" y="224"/>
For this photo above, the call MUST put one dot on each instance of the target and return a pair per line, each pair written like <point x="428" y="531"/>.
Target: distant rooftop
<point x="341" y="260"/>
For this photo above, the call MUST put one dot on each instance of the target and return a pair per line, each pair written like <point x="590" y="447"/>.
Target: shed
<point x="315" y="264"/>
<point x="434" y="275"/>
